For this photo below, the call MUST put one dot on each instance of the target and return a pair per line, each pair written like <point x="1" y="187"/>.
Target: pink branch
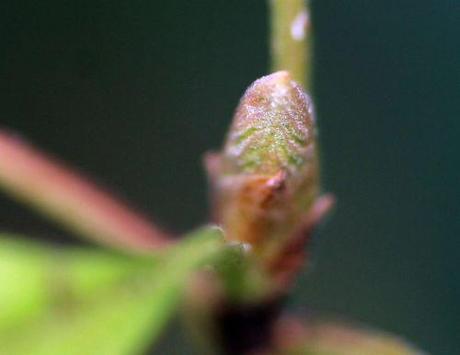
<point x="72" y="200"/>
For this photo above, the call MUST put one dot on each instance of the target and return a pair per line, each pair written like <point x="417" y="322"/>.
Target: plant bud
<point x="267" y="176"/>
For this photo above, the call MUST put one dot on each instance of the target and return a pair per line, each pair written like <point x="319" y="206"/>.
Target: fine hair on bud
<point x="267" y="176"/>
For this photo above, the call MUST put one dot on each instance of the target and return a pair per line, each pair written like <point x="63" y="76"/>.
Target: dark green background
<point x="133" y="92"/>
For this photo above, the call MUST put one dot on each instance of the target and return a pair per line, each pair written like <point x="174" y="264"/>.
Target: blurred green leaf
<point x="77" y="301"/>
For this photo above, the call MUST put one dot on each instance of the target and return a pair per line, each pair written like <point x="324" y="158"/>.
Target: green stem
<point x="291" y="39"/>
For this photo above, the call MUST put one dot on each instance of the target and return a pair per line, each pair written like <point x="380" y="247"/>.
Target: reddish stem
<point x="72" y="200"/>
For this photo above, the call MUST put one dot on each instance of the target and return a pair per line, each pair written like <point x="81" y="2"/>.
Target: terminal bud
<point x="266" y="178"/>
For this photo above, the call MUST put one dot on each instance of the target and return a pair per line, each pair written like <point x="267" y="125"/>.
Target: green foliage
<point x="84" y="301"/>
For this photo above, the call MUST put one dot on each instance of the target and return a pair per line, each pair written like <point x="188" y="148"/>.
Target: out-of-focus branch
<point x="72" y="200"/>
<point x="290" y="39"/>
<point x="292" y="336"/>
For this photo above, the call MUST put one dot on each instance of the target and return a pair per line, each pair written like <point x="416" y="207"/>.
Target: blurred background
<point x="134" y="92"/>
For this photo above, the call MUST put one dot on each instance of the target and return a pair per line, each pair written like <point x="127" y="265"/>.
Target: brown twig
<point x="72" y="200"/>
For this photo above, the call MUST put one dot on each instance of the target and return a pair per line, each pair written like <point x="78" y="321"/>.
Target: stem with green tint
<point x="290" y="39"/>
